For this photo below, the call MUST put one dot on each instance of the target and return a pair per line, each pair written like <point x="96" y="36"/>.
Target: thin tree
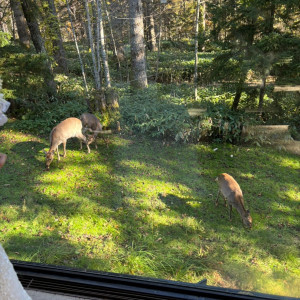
<point x="58" y="49"/>
<point x="138" y="60"/>
<point x="97" y="41"/>
<point x="91" y="40"/>
<point x="29" y="9"/>
<point x="115" y="51"/>
<point x="203" y="22"/>
<point x="159" y="42"/>
<point x="79" y="55"/>
<point x="102" y="43"/>
<point x="196" y="50"/>
<point x="22" y="27"/>
<point x="151" y="27"/>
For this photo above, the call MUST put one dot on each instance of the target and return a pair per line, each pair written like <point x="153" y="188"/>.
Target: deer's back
<point x="90" y="121"/>
<point x="230" y="188"/>
<point x="66" y="129"/>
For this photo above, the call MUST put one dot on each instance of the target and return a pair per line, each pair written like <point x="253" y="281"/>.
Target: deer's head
<point x="49" y="157"/>
<point x="247" y="219"/>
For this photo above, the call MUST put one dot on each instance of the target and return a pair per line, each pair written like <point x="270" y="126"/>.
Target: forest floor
<point x="144" y="207"/>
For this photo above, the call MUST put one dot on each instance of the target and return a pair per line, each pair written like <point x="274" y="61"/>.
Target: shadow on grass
<point x="97" y="209"/>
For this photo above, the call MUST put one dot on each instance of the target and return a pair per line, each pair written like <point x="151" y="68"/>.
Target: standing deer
<point x="66" y="129"/>
<point x="91" y="122"/>
<point x="232" y="192"/>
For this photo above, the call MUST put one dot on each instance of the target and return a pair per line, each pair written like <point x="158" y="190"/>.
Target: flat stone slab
<point x="287" y="88"/>
<point x="289" y="146"/>
<point x="277" y="135"/>
<point x="272" y="132"/>
<point x="196" y="112"/>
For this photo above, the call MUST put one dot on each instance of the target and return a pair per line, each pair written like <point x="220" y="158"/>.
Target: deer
<point x="91" y="122"/>
<point x="71" y="127"/>
<point x="233" y="194"/>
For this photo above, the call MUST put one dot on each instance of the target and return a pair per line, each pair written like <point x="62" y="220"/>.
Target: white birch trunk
<point x="204" y="21"/>
<point x="91" y="39"/>
<point x="112" y="38"/>
<point x="102" y="42"/>
<point x="98" y="45"/>
<point x="196" y="49"/>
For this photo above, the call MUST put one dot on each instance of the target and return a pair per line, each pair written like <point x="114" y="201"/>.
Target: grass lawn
<point x="139" y="207"/>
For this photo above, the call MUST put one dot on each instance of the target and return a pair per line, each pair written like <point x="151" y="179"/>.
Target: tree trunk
<point x="91" y="39"/>
<point x="138" y="60"/>
<point x="204" y="23"/>
<point x="29" y="10"/>
<point x="262" y="94"/>
<point x="102" y="42"/>
<point x="97" y="32"/>
<point x="21" y="23"/>
<point x="113" y="40"/>
<point x="270" y="18"/>
<point x="151" y="28"/>
<point x="196" y="50"/>
<point x="159" y="43"/>
<point x="13" y="28"/>
<point x="79" y="56"/>
<point x="58" y="49"/>
<point x="238" y="93"/>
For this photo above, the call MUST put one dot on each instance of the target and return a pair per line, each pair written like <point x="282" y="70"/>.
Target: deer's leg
<point x="80" y="144"/>
<point x="65" y="152"/>
<point x="96" y="142"/>
<point x="58" y="157"/>
<point x="225" y="201"/>
<point x="230" y="212"/>
<point x="217" y="200"/>
<point x="83" y="138"/>
<point x="88" y="147"/>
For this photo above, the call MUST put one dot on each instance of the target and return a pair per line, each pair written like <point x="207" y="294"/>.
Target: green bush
<point x="4" y="39"/>
<point x="222" y="124"/>
<point x="160" y="115"/>
<point x="23" y="76"/>
<point x="149" y="112"/>
<point x="45" y="116"/>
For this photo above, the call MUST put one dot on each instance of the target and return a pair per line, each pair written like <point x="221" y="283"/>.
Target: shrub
<point x="160" y="115"/>
<point x="148" y="112"/>
<point x="45" y="116"/>
<point x="4" y="39"/>
<point x="223" y="124"/>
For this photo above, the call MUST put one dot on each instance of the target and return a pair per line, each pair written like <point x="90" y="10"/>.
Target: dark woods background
<point x="60" y="58"/>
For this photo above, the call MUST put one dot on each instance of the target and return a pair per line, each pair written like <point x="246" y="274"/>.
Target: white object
<point x="4" y="105"/>
<point x="3" y="119"/>
<point x="10" y="286"/>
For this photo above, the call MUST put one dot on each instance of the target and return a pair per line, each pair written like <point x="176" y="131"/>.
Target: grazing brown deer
<point x="232" y="192"/>
<point x="91" y="122"/>
<point x="66" y="129"/>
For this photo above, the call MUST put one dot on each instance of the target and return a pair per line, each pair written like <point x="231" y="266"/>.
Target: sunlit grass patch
<point x="139" y="207"/>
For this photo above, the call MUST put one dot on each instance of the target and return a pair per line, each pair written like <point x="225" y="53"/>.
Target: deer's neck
<point x="241" y="208"/>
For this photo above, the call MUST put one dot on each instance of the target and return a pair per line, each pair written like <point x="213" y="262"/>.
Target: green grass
<point x="136" y="206"/>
